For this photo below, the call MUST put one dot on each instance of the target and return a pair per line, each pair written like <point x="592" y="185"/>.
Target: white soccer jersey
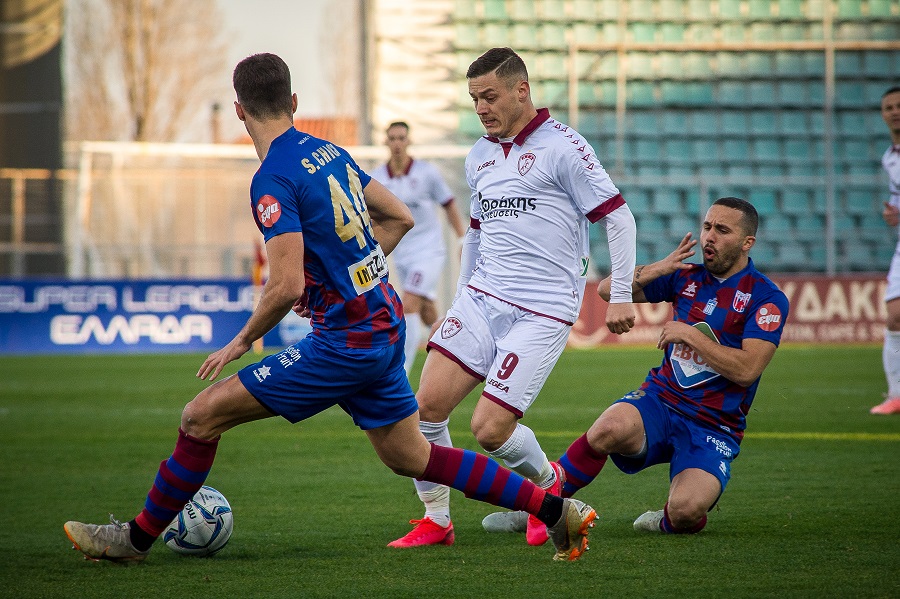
<point x="533" y="198"/>
<point x="891" y="163"/>
<point x="422" y="189"/>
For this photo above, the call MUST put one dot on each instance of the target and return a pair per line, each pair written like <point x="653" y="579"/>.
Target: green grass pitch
<point x="811" y="510"/>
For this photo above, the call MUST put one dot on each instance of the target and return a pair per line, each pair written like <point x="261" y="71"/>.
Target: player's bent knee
<point x="196" y="418"/>
<point x="491" y="435"/>
<point x="686" y="514"/>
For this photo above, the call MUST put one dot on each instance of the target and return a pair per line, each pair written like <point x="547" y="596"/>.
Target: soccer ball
<point x="203" y="527"/>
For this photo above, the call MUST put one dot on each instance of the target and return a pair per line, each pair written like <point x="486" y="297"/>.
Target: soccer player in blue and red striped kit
<point x="328" y="227"/>
<point x="690" y="411"/>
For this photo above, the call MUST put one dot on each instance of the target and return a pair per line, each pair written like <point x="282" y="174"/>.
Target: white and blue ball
<point x="203" y="527"/>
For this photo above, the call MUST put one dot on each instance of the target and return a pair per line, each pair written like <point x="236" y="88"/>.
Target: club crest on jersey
<point x="740" y="302"/>
<point x="768" y="317"/>
<point x="526" y="161"/>
<point x="450" y="327"/>
<point x="268" y="211"/>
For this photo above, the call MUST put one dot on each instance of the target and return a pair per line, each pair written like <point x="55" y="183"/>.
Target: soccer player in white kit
<point x="536" y="186"/>
<point x="420" y="256"/>
<point x="890" y="112"/>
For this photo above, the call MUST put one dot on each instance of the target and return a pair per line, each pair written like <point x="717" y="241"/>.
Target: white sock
<point x="890" y="355"/>
<point x="413" y="337"/>
<point x="435" y="497"/>
<point x="523" y="455"/>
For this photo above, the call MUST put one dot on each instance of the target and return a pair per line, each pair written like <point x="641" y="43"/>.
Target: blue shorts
<point x="311" y="376"/>
<point x="681" y="442"/>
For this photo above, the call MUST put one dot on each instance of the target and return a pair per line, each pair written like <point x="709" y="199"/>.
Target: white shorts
<point x="421" y="275"/>
<point x="511" y="349"/>
<point x="893" y="277"/>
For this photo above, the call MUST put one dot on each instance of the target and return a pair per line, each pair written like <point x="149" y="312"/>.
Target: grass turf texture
<point x="810" y="511"/>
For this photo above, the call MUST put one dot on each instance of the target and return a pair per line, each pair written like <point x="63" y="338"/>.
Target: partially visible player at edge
<point x="313" y="205"/>
<point x="419" y="257"/>
<point x="890" y="112"/>
<point x="536" y="186"/>
<point x="690" y="412"/>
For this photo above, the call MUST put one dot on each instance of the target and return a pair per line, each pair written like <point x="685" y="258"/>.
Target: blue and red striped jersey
<point x="747" y="305"/>
<point x="309" y="185"/>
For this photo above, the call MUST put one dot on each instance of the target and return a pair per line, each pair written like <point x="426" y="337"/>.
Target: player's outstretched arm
<point x="282" y="290"/>
<point x="391" y="219"/>
<point x="645" y="273"/>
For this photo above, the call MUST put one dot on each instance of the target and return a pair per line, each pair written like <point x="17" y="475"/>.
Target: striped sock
<point x="481" y="478"/>
<point x="582" y="464"/>
<point x="178" y="479"/>
<point x="666" y="525"/>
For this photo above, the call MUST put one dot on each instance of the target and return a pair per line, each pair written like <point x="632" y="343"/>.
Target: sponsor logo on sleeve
<point x="768" y="317"/>
<point x="268" y="210"/>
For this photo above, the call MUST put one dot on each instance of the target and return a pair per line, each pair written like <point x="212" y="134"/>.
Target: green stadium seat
<point x="672" y="32"/>
<point x="647" y="150"/>
<point x="858" y="256"/>
<point x="790" y="9"/>
<point x="796" y="149"/>
<point x="733" y="32"/>
<point x="700" y="32"/>
<point x="763" y="32"/>
<point x="763" y="255"/>
<point x="810" y="227"/>
<point x="764" y="201"/>
<point x="674" y="122"/>
<point x="758" y="63"/>
<point x="791" y="32"/>
<point x="698" y="10"/>
<point x="463" y="9"/>
<point x="795" y="202"/>
<point x="497" y="34"/>
<point x="696" y="64"/>
<point x="877" y="64"/>
<point x="759" y="8"/>
<point x="670" y="65"/>
<point x="706" y="153"/>
<point x="588" y="10"/>
<point x="649" y="225"/>
<point x="494" y="9"/>
<point x="862" y="202"/>
<point x="667" y="201"/>
<point x="776" y="226"/>
<point x="849" y="8"/>
<point x="466" y="35"/>
<point x="640" y="64"/>
<point x="645" y="253"/>
<point x="692" y="201"/>
<point x="791" y="255"/>
<point x="881" y="8"/>
<point x="730" y="9"/>
<point x="792" y="93"/>
<point x="761" y="93"/>
<point x="763" y="122"/>
<point x="524" y="35"/>
<point x="641" y="32"/>
<point x="671" y="9"/>
<point x="873" y="228"/>
<point x="640" y="93"/>
<point x="766" y="149"/>
<point x="847" y="64"/>
<point x="736" y="149"/>
<point x="703" y="123"/>
<point x="734" y="122"/>
<point x="586" y="33"/>
<point x="789" y="63"/>
<point x="793" y="122"/>
<point x="732" y="93"/>
<point x="523" y="10"/>
<point x="817" y="258"/>
<point x="679" y="224"/>
<point x="553" y="35"/>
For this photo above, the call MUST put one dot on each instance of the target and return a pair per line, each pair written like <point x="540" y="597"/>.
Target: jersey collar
<point x="543" y="114"/>
<point x="405" y="172"/>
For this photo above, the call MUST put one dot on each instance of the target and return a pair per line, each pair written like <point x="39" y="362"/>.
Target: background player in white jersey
<point x="419" y="257"/>
<point x="536" y="186"/>
<point x="890" y="112"/>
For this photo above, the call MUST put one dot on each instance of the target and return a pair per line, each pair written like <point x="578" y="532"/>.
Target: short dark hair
<point x="893" y="90"/>
<point x="508" y="65"/>
<point x="398" y="124"/>
<point x="262" y="83"/>
<point x="749" y="216"/>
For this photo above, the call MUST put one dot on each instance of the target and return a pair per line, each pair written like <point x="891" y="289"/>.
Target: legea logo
<point x="268" y="211"/>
